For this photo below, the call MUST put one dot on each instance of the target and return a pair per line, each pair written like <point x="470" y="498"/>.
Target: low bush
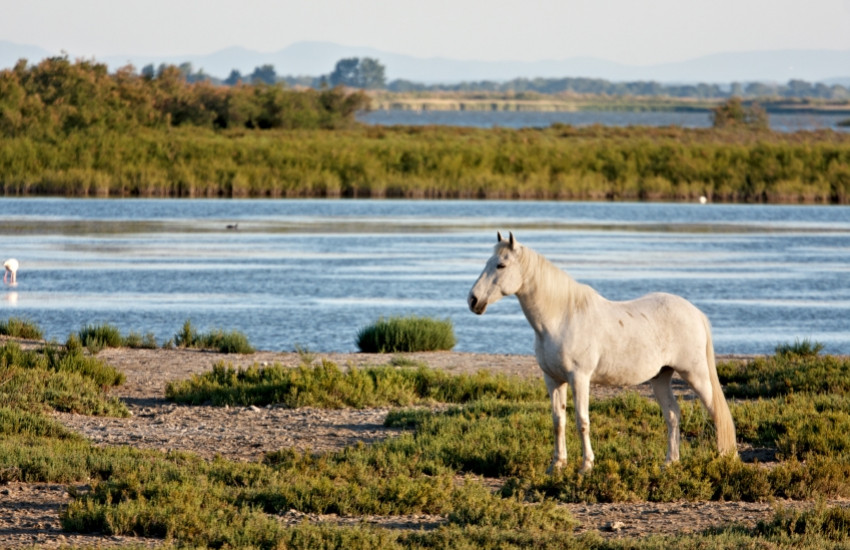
<point x="219" y="340"/>
<point x="800" y="348"/>
<point x="326" y="385"/>
<point x="70" y="381"/>
<point x="97" y="337"/>
<point x="406" y="334"/>
<point x="137" y="341"/>
<point x="21" y="328"/>
<point x="786" y="372"/>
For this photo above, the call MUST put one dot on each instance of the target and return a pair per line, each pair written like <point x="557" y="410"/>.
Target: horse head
<point x="502" y="275"/>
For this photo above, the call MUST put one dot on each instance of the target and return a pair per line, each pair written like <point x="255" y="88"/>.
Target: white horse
<point x="580" y="337"/>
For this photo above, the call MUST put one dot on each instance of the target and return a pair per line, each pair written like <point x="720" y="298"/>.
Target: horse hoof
<point x="556" y="466"/>
<point x="586" y="468"/>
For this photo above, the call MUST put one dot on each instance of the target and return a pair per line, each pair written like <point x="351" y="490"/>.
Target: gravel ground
<point x="29" y="513"/>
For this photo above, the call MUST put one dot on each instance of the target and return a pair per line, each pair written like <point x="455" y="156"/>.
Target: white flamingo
<point x="11" y="266"/>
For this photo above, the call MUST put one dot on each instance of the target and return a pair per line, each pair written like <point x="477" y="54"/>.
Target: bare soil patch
<point x="29" y="513"/>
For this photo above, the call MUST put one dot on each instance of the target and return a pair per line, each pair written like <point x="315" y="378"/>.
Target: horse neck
<point x="549" y="296"/>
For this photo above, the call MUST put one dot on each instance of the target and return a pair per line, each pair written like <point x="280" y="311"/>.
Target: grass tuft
<point x="406" y="334"/>
<point x="219" y="340"/>
<point x="800" y="348"/>
<point x="97" y="337"/>
<point x="21" y="328"/>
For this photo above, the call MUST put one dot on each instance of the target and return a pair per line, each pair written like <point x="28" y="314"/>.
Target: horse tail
<point x="725" y="428"/>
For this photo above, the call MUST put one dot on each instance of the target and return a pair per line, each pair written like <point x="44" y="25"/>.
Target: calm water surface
<point x="512" y="119"/>
<point x="311" y="273"/>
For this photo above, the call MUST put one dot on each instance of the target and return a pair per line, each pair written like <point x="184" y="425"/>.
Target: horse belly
<point x="645" y="335"/>
<point x="621" y="371"/>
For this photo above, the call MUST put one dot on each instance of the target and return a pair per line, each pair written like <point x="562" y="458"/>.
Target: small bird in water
<point x="11" y="266"/>
<point x="233" y="226"/>
<point x="703" y="199"/>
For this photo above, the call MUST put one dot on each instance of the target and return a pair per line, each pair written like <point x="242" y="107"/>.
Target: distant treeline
<point x="57" y="97"/>
<point x="73" y="129"/>
<point x="368" y="73"/>
<point x="794" y="89"/>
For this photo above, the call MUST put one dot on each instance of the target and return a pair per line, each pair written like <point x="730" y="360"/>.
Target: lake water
<point x="311" y="273"/>
<point x="513" y="119"/>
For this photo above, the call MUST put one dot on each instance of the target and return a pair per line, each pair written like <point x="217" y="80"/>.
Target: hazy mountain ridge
<point x="318" y="58"/>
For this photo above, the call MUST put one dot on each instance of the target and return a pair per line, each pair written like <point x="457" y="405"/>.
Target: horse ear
<point x="512" y="240"/>
<point x="499" y="236"/>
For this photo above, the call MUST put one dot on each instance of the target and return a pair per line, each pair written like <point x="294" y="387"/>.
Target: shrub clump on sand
<point x="328" y="386"/>
<point x="61" y="379"/>
<point x="21" y="328"/>
<point x="219" y="340"/>
<point x="97" y="337"/>
<point x="406" y="334"/>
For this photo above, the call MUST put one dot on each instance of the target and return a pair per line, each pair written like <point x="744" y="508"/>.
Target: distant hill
<point x="318" y="58"/>
<point x="10" y="53"/>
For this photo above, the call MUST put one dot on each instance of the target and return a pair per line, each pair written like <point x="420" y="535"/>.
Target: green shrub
<point x="786" y="372"/>
<point x="21" y="328"/>
<point x="224" y="342"/>
<point x="97" y="337"/>
<point x="406" y="334"/>
<point x="31" y="380"/>
<point x="326" y="385"/>
<point x="804" y="348"/>
<point x="137" y="341"/>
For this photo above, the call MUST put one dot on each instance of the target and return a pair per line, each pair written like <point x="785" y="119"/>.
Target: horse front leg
<point x="581" y="396"/>
<point x="558" y="397"/>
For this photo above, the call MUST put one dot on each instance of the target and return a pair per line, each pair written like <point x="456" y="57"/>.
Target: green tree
<point x="234" y="78"/>
<point x="353" y="72"/>
<point x="345" y="72"/>
<point x="265" y="73"/>
<point x="733" y="113"/>
<point x="371" y="74"/>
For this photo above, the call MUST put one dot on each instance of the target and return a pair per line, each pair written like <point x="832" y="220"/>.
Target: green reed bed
<point x="440" y="162"/>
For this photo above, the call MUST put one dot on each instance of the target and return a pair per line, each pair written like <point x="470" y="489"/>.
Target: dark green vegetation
<point x="496" y="427"/>
<point x="436" y="162"/>
<point x="21" y="328"/>
<point x="223" y="341"/>
<point x="74" y="130"/>
<point x="327" y="386"/>
<point x="97" y="337"/>
<point x="104" y="335"/>
<point x="406" y="334"/>
<point x="32" y="381"/>
<point x="733" y="113"/>
<point x="58" y="97"/>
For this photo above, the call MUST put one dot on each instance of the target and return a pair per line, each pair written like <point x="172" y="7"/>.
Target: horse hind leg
<point x="663" y="388"/>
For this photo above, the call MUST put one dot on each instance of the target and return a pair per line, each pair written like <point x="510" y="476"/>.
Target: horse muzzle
<point x="476" y="306"/>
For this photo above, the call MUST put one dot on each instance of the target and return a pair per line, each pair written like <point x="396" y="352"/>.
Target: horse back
<point x="626" y="343"/>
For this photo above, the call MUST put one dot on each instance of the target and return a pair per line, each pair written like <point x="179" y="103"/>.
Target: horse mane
<point x="561" y="290"/>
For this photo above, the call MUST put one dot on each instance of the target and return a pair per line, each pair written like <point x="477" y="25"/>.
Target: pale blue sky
<point x="628" y="31"/>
